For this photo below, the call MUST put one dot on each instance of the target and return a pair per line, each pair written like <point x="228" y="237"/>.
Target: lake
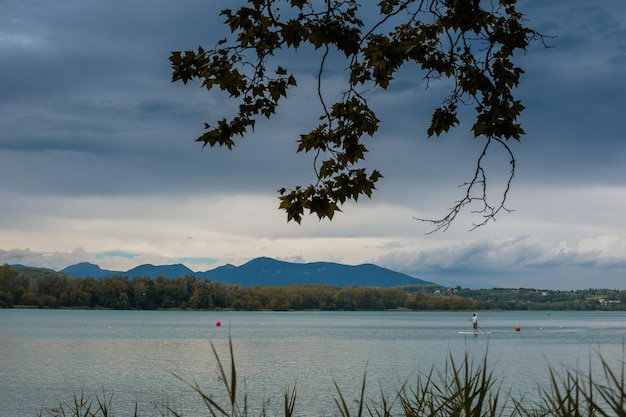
<point x="46" y="356"/>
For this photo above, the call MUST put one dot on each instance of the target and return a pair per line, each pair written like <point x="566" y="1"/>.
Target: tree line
<point x="41" y="288"/>
<point x="30" y="287"/>
<point x="535" y="299"/>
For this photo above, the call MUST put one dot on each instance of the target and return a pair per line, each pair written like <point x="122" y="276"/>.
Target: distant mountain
<point x="152" y="271"/>
<point x="86" y="269"/>
<point x="33" y="272"/>
<point x="265" y="272"/>
<point x="270" y="272"/>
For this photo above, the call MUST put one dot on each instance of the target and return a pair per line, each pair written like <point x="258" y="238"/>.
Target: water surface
<point x="48" y="355"/>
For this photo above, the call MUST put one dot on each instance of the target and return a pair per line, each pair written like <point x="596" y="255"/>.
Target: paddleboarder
<point x="474" y="321"/>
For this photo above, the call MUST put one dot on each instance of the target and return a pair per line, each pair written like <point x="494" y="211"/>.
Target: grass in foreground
<point x="462" y="389"/>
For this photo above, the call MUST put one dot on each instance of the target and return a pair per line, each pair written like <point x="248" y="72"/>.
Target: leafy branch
<point x="470" y="42"/>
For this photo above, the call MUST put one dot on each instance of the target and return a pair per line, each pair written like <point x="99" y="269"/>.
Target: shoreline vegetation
<point x="40" y="288"/>
<point x="464" y="388"/>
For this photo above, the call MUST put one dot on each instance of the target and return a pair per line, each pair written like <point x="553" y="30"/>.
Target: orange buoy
<point x="517" y="328"/>
<point x="218" y="324"/>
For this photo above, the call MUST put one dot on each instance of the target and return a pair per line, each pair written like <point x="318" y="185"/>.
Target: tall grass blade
<point x="290" y="401"/>
<point x="344" y="410"/>
<point x="214" y="408"/>
<point x="341" y="403"/>
<point x="613" y="392"/>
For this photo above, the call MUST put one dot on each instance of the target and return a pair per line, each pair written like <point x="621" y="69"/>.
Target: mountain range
<point x="265" y="272"/>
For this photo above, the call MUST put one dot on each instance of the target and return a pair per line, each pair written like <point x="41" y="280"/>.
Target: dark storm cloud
<point x="87" y="110"/>
<point x="87" y="90"/>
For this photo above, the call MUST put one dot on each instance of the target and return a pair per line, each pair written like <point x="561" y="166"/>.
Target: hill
<point x="86" y="269"/>
<point x="271" y="272"/>
<point x="153" y="271"/>
<point x="265" y="272"/>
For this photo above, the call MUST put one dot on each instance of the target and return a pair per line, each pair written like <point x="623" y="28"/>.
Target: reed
<point x="82" y="405"/>
<point x="236" y="407"/>
<point x="461" y="389"/>
<point x="573" y="393"/>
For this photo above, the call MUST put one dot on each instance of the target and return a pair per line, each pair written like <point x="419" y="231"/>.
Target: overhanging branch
<point x="478" y="182"/>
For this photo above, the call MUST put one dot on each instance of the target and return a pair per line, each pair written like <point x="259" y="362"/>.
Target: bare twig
<point x="479" y="180"/>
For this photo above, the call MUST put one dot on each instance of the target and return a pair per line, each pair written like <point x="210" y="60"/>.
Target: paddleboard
<point x="478" y="333"/>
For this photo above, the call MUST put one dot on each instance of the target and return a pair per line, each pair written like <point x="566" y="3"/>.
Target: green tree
<point x="221" y="295"/>
<point x="200" y="296"/>
<point x="51" y="289"/>
<point x="6" y="286"/>
<point x="78" y="294"/>
<point x="140" y="288"/>
<point x="471" y="43"/>
<point x="344" y="299"/>
<point x="243" y="299"/>
<point x="112" y="292"/>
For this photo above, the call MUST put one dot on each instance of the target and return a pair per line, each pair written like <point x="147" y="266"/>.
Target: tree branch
<point x="479" y="180"/>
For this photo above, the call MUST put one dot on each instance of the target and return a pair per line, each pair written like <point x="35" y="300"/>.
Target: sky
<point x="98" y="159"/>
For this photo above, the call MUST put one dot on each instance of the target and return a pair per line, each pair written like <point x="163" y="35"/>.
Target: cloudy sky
<point x="98" y="161"/>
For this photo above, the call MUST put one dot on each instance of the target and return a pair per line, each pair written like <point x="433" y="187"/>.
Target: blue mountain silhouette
<point x="265" y="272"/>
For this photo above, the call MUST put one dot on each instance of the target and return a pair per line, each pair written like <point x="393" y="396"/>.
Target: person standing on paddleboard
<point x="474" y="321"/>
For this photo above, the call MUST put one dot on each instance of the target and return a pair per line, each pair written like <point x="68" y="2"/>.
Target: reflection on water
<point x="47" y="355"/>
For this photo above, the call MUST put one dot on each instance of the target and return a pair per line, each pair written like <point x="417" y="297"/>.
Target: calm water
<point x="48" y="355"/>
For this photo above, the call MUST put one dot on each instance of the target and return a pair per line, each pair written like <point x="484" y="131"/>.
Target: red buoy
<point x="517" y="328"/>
<point x="218" y="324"/>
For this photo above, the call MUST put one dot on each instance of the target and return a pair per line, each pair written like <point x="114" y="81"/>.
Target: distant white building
<point x="604" y="301"/>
